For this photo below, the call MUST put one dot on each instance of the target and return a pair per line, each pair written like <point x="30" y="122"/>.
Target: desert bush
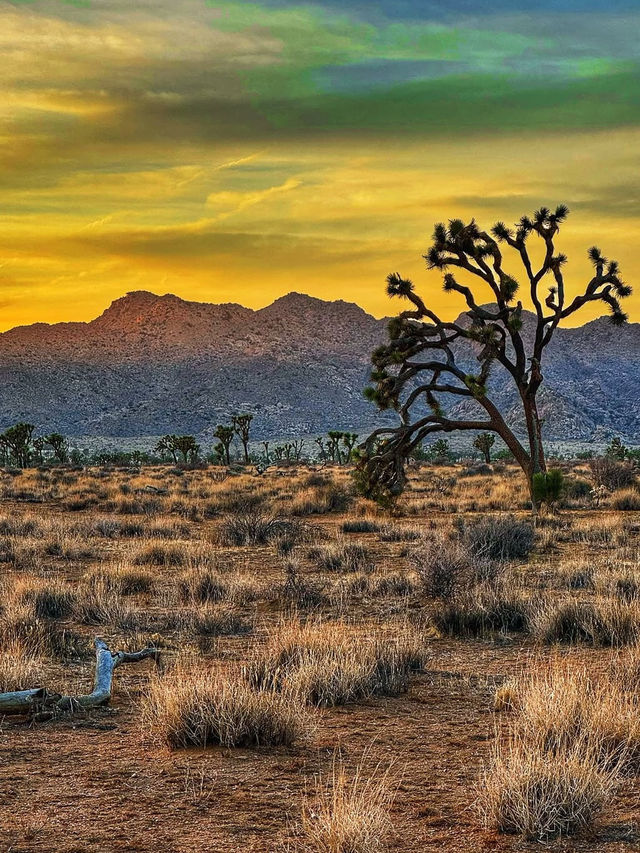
<point x="193" y="706"/>
<point x="394" y="584"/>
<point x="360" y="525"/>
<point x="626" y="500"/>
<point x="397" y="533"/>
<point x="331" y="664"/>
<point x="613" y="474"/>
<point x="443" y="567"/>
<point x="218" y="621"/>
<point x="300" y="591"/>
<point x="482" y="611"/>
<point x="341" y="557"/>
<point x="53" y="601"/>
<point x="605" y="622"/>
<point x="498" y="538"/>
<point x="203" y="585"/>
<point x="256" y="529"/>
<point x="161" y="555"/>
<point x="347" y="813"/>
<point x="533" y="793"/>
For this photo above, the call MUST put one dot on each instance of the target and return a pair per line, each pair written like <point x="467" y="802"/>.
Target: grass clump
<point x="347" y="813"/>
<point x="191" y="706"/>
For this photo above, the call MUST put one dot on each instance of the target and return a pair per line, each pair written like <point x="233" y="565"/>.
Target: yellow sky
<point x="135" y="154"/>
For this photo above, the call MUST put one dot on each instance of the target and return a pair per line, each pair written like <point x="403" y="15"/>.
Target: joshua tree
<point x="265" y="445"/>
<point x="18" y="441"/>
<point x="185" y="445"/>
<point x="242" y="427"/>
<point x="188" y="447"/>
<point x="424" y="357"/>
<point x="224" y="434"/>
<point x="484" y="442"/>
<point x="349" y="440"/>
<point x="323" y="450"/>
<point x="59" y="446"/>
<point x="167" y="444"/>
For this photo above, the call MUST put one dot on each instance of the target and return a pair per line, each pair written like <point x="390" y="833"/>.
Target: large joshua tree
<point x="423" y="361"/>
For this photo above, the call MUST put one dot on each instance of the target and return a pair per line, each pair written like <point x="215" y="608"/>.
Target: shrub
<point x="535" y="794"/>
<point x="191" y="706"/>
<point x="53" y="601"/>
<point x="330" y="664"/>
<point x="607" y="622"/>
<point x="626" y="500"/>
<point x="341" y="557"/>
<point x="360" y="525"/>
<point x="20" y="668"/>
<point x="499" y="538"/>
<point x="256" y="529"/>
<point x="218" y="621"/>
<point x="548" y="486"/>
<point x="443" y="567"/>
<point x="203" y="585"/>
<point x="613" y="474"/>
<point x="395" y="533"/>
<point x="161" y="555"/>
<point x="482" y="611"/>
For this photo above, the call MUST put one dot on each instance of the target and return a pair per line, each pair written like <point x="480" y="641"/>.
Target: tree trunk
<point x="42" y="704"/>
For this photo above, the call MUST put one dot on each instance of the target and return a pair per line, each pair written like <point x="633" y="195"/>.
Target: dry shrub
<point x="498" y="538"/>
<point x="329" y="663"/>
<point x="443" y="567"/>
<point x="360" y="525"/>
<point x="221" y="620"/>
<point x="482" y="610"/>
<point x="347" y="813"/>
<point x="194" y="706"/>
<point x="613" y="474"/>
<point x="341" y="557"/>
<point x="203" y="585"/>
<point x="603" y="622"/>
<point x="161" y="555"/>
<point x="538" y="795"/>
<point x="252" y="528"/>
<point x="626" y="500"/>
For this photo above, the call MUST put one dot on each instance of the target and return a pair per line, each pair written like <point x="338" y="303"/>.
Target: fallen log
<point x="41" y="703"/>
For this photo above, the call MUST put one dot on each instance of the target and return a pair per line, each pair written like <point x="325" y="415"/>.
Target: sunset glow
<point x="233" y="151"/>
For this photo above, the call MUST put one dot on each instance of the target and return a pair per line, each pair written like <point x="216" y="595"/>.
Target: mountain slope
<point x="153" y="364"/>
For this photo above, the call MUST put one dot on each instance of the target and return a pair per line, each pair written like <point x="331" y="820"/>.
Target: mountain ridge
<point x="150" y="364"/>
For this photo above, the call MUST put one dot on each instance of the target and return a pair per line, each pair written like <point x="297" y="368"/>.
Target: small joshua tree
<point x="242" y="427"/>
<point x="424" y="360"/>
<point x="484" y="442"/>
<point x="17" y="439"/>
<point x="224" y="434"/>
<point x="59" y="446"/>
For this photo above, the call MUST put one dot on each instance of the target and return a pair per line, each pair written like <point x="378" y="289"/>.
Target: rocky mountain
<point x="154" y="364"/>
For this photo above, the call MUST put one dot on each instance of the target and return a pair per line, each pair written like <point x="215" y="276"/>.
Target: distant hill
<point x="154" y="364"/>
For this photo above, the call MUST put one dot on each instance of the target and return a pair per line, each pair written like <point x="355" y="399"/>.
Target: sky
<point x="236" y="151"/>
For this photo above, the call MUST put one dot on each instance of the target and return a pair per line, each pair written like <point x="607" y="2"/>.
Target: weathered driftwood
<point x="42" y="703"/>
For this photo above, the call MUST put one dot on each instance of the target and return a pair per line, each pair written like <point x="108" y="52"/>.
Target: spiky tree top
<point x="419" y="362"/>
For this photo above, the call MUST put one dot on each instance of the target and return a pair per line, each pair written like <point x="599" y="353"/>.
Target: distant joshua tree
<point x="185" y="445"/>
<point x="17" y="440"/>
<point x="59" y="446"/>
<point x="224" y="434"/>
<point x="484" y="442"/>
<point x="242" y="427"/>
<point x="422" y="361"/>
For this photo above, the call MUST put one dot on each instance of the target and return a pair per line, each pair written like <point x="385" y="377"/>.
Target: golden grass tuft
<point x="195" y="706"/>
<point x="347" y="813"/>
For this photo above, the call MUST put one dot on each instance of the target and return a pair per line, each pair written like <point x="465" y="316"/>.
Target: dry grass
<point x="539" y="795"/>
<point x="20" y="668"/>
<point x="193" y="705"/>
<point x="347" y="813"/>
<point x="330" y="663"/>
